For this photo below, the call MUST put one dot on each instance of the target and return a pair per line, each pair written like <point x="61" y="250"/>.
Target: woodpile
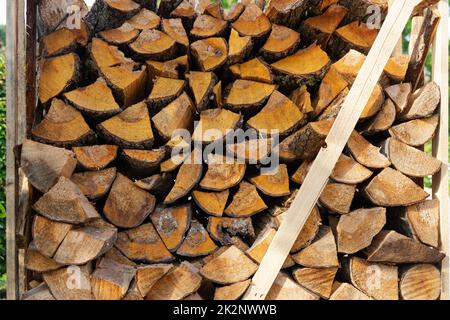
<point x="119" y="214"/>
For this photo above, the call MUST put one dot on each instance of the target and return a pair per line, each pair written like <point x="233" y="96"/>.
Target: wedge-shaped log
<point x="63" y="126"/>
<point x="143" y="162"/>
<point x="146" y="18"/>
<point x="355" y="35"/>
<point x="223" y="173"/>
<point x="148" y="275"/>
<point x="95" y="157"/>
<point x="186" y="12"/>
<point x="420" y="282"/>
<point x="154" y="44"/>
<point x="86" y="99"/>
<point x="232" y="14"/>
<point x="44" y="164"/>
<point x="318" y="281"/>
<point x="172" y="224"/>
<point x="349" y="65"/>
<point x="65" y="40"/>
<point x="202" y="85"/>
<point x="217" y="270"/>
<point x="383" y="120"/>
<point x="356" y="230"/>
<point x="338" y="197"/>
<point x="175" y="68"/>
<point x="164" y="91"/>
<point x="129" y="129"/>
<point x="215" y="125"/>
<point x="289" y="12"/>
<point x="377" y="281"/>
<point x="210" y="54"/>
<point x="285" y="288"/>
<point x="279" y="116"/>
<point x="111" y="280"/>
<point x="274" y="183"/>
<point x="390" y="188"/>
<point x="423" y="102"/>
<point x="392" y="247"/>
<point x="238" y="98"/>
<point x="396" y="67"/>
<point x="246" y="202"/>
<point x="61" y="283"/>
<point x="282" y="42"/>
<point x="255" y="69"/>
<point x="106" y="14"/>
<point x="206" y="26"/>
<point x="409" y="160"/>
<point x="86" y="243"/>
<point x="224" y="229"/>
<point x="301" y="172"/>
<point x="349" y="171"/>
<point x="365" y="153"/>
<point x="197" y="242"/>
<point x="122" y="35"/>
<point x="36" y="261"/>
<point x="416" y="132"/>
<point x="95" y="184"/>
<point x="252" y="22"/>
<point x="105" y="55"/>
<point x="187" y="178"/>
<point x="232" y="292"/>
<point x="65" y="202"/>
<point x="321" y="253"/>
<point x="302" y="98"/>
<point x="251" y="151"/>
<point x="57" y="75"/>
<point x="399" y="94"/>
<point x="157" y="184"/>
<point x="127" y="206"/>
<point x="345" y="291"/>
<point x="180" y="282"/>
<point x="143" y="244"/>
<point x="239" y="47"/>
<point x="213" y="203"/>
<point x="39" y="293"/>
<point x="174" y="28"/>
<point x="330" y="87"/>
<point x="48" y="235"/>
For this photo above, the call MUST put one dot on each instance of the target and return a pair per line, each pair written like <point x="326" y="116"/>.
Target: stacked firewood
<point x="120" y="213"/>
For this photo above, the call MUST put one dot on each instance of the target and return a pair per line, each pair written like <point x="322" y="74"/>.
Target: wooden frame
<point x="21" y="97"/>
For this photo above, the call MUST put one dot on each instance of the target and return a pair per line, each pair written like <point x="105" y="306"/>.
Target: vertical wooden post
<point x="440" y="142"/>
<point x="16" y="131"/>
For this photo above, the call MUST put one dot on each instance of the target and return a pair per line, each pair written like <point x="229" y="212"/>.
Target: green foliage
<point x="3" y="35"/>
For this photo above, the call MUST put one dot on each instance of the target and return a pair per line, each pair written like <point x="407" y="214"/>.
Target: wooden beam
<point x="440" y="142"/>
<point x="335" y="143"/>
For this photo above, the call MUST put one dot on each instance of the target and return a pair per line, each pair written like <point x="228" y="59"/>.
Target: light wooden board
<point x="440" y="142"/>
<point x="323" y="165"/>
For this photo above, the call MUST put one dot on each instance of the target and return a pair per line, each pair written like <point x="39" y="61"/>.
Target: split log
<point x="239" y="47"/>
<point x="377" y="281"/>
<point x="299" y="175"/>
<point x="37" y="262"/>
<point x="281" y="43"/>
<point x="215" y="10"/>
<point x="309" y="231"/>
<point x="48" y="235"/>
<point x="318" y="281"/>
<point x="43" y="165"/>
<point x="95" y="157"/>
<point x="143" y="162"/>
<point x="164" y="91"/>
<point x="224" y="229"/>
<point x="252" y="22"/>
<point x="251" y="151"/>
<point x="322" y="253"/>
<point x="284" y="288"/>
<point x="174" y="29"/>
<point x="383" y="120"/>
<point x="246" y="202"/>
<point x="86" y="243"/>
<point x="333" y="109"/>
<point x="65" y="40"/>
<point x="356" y="230"/>
<point x="172" y="224"/>
<point x="104" y="55"/>
<point x="238" y="100"/>
<point x="210" y="54"/>
<point x="129" y="129"/>
<point x="38" y="293"/>
<point x="338" y="197"/>
<point x="409" y="160"/>
<point x="217" y="270"/>
<point x="213" y="203"/>
<point x="206" y="26"/>
<point x="255" y="69"/>
<point x="349" y="65"/>
<point x="392" y="247"/>
<point x="57" y="75"/>
<point x="114" y="254"/>
<point x="127" y="206"/>
<point x="233" y="13"/>
<point x="365" y="153"/>
<point x="133" y="293"/>
<point x="111" y="280"/>
<point x="399" y="94"/>
<point x="374" y="104"/>
<point x="420" y="282"/>
<point x="391" y="188"/>
<point x="123" y="35"/>
<point x="157" y="184"/>
<point x="180" y="282"/>
<point x="280" y="116"/>
<point x="65" y="202"/>
<point x="307" y="66"/>
<point x="349" y="171"/>
<point x="302" y="98"/>
<point x="330" y="88"/>
<point x="146" y="18"/>
<point x="202" y="85"/>
<point x="186" y="12"/>
<point x="223" y="173"/>
<point x="232" y="292"/>
<point x="187" y="178"/>
<point x="306" y="142"/>
<point x="143" y="244"/>
<point x="154" y="44"/>
<point x="107" y="14"/>
<point x="274" y="183"/>
<point x="396" y="68"/>
<point x="95" y="184"/>
<point x="197" y="242"/>
<point x="362" y="9"/>
<point x="423" y="102"/>
<point x="63" y="126"/>
<point x="356" y="35"/>
<point x="288" y="13"/>
<point x="215" y="125"/>
<point x="70" y="283"/>
<point x="416" y="132"/>
<point x="174" y="68"/>
<point x="345" y="291"/>
<point x="148" y="275"/>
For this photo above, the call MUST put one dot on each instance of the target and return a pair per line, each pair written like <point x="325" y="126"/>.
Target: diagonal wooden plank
<point x="323" y="165"/>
